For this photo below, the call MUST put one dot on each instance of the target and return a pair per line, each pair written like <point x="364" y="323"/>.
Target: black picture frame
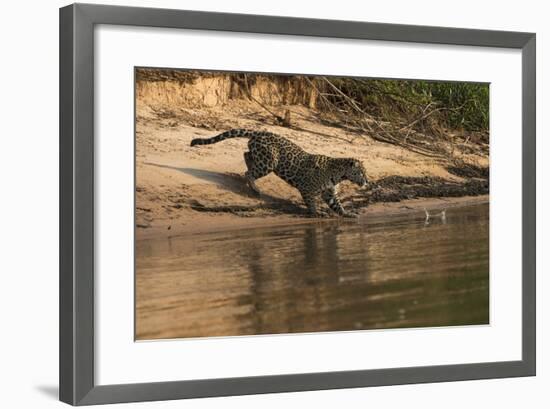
<point x="76" y="275"/>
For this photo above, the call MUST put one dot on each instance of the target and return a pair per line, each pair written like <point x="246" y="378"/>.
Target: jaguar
<point x="312" y="175"/>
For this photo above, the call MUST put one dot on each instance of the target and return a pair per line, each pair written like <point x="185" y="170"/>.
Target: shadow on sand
<point x="236" y="183"/>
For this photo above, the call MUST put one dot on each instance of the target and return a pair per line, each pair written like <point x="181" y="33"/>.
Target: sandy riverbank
<point x="182" y="190"/>
<point x="190" y="222"/>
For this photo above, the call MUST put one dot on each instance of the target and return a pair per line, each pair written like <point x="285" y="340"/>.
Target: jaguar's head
<point x="355" y="172"/>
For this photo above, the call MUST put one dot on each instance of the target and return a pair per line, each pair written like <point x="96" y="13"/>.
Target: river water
<point x="379" y="272"/>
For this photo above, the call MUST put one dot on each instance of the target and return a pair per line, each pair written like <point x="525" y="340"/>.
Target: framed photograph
<point x="254" y="204"/>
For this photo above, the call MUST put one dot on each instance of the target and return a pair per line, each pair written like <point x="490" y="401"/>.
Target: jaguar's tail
<point x="233" y="133"/>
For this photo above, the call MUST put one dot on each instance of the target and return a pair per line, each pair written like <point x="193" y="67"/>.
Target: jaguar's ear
<point x="356" y="164"/>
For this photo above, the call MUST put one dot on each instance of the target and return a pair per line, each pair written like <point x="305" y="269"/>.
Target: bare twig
<point x="249" y="94"/>
<point x="364" y="122"/>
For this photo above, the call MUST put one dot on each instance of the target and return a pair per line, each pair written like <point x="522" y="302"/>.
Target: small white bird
<point x="442" y="215"/>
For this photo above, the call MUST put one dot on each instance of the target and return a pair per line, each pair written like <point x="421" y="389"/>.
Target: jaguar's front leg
<point x="309" y="201"/>
<point x="330" y="198"/>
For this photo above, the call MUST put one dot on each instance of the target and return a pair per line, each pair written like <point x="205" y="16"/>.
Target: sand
<point x="184" y="190"/>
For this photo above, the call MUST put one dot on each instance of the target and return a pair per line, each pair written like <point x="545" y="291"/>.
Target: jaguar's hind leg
<point x="254" y="172"/>
<point x="250" y="180"/>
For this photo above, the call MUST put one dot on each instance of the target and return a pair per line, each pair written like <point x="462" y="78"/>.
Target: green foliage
<point x="454" y="105"/>
<point x="468" y="103"/>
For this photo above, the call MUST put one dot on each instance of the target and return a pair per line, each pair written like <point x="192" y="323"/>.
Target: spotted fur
<point x="313" y="175"/>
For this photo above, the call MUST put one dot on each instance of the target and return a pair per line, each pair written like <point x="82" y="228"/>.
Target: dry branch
<point x="282" y="120"/>
<point x="386" y="131"/>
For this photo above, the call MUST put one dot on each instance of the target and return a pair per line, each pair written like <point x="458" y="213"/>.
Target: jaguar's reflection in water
<point x="389" y="272"/>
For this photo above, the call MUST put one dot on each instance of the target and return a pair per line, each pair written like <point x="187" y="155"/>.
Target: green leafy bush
<point x="456" y="105"/>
